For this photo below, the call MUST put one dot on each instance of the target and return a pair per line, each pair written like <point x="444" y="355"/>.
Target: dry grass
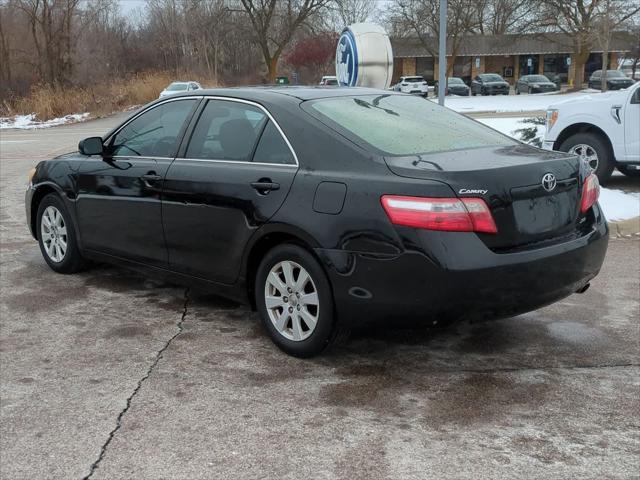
<point x="99" y="100"/>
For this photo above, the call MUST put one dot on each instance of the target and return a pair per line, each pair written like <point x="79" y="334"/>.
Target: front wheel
<point x="57" y="237"/>
<point x="592" y="150"/>
<point x="294" y="298"/>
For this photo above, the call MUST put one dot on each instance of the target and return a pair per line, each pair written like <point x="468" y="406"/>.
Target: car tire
<point x="278" y="293"/>
<point x="605" y="158"/>
<point x="529" y="91"/>
<point x="517" y="91"/>
<point x="57" y="236"/>
<point x="628" y="172"/>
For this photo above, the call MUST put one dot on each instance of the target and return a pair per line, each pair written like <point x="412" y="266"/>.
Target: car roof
<point x="273" y="92"/>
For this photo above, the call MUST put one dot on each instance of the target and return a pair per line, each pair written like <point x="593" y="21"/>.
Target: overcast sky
<point x="130" y="5"/>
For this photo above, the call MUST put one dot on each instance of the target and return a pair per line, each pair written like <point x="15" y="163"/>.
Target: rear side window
<point x="399" y="125"/>
<point x="272" y="148"/>
<point x="226" y="130"/>
<point x="155" y="133"/>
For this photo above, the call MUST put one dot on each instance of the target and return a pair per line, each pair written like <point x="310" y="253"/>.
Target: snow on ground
<point x="617" y="205"/>
<point x="511" y="103"/>
<point x="509" y="125"/>
<point x="30" y="121"/>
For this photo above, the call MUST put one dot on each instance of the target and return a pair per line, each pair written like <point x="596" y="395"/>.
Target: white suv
<point x="416" y="85"/>
<point x="602" y="128"/>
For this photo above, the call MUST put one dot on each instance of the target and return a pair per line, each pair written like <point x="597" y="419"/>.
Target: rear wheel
<point x="56" y="236"/>
<point x="294" y="298"/>
<point x="593" y="150"/>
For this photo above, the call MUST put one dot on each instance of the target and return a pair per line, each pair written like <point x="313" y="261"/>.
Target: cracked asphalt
<point x="108" y="375"/>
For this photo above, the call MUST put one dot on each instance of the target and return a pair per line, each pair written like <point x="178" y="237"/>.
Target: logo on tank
<point x="347" y="60"/>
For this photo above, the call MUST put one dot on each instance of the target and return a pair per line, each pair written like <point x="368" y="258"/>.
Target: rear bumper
<point x="460" y="278"/>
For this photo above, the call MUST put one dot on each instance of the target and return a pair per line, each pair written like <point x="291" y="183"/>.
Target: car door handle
<point x="265" y="187"/>
<point x="150" y="178"/>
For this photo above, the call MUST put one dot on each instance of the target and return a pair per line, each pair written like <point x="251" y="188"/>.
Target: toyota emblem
<point x="549" y="181"/>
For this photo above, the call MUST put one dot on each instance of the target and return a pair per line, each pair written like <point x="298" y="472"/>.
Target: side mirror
<point x="91" y="146"/>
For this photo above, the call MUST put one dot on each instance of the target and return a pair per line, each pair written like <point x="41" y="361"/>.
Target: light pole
<point x="442" y="53"/>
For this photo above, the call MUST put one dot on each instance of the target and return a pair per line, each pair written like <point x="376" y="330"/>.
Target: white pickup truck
<point x="602" y="128"/>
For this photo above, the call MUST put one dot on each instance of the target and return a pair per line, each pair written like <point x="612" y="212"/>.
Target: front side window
<point x="155" y="133"/>
<point x="398" y="125"/>
<point x="226" y="130"/>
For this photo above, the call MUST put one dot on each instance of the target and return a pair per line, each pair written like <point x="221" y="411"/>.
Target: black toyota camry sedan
<point x="325" y="208"/>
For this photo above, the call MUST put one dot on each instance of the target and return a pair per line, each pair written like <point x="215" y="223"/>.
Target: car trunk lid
<point x="510" y="180"/>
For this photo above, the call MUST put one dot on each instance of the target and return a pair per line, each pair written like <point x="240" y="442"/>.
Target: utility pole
<point x="442" y="53"/>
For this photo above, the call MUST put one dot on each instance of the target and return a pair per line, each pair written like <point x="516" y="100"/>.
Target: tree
<point x="421" y="18"/>
<point x="610" y="16"/>
<point x="313" y="52"/>
<point x="579" y="20"/>
<point x="498" y="17"/>
<point x="353" y="11"/>
<point x="51" y="25"/>
<point x="274" y="24"/>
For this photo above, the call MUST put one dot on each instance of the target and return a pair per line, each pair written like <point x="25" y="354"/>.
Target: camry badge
<point x="549" y="181"/>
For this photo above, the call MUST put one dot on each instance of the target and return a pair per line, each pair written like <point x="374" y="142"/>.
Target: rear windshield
<point x="615" y="74"/>
<point x="537" y="78"/>
<point x="177" y="86"/>
<point x="492" y="78"/>
<point x="414" y="79"/>
<point x="455" y="81"/>
<point x="399" y="125"/>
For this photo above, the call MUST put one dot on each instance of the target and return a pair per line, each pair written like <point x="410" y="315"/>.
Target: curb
<point x="625" y="228"/>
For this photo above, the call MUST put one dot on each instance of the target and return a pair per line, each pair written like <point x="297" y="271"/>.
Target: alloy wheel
<point x="292" y="301"/>
<point x="53" y="232"/>
<point x="587" y="154"/>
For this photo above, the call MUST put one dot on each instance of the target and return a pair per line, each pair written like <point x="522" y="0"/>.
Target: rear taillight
<point x="449" y="214"/>
<point x="590" y="192"/>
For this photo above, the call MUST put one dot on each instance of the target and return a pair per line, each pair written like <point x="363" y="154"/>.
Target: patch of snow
<point x="30" y="121"/>
<point x="509" y="125"/>
<point x="511" y="103"/>
<point x="619" y="205"/>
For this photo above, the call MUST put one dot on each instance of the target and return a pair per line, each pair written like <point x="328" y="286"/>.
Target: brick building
<point x="508" y="55"/>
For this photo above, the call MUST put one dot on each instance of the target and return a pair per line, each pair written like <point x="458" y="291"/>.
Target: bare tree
<point x="506" y="16"/>
<point x="421" y="19"/>
<point x="274" y="24"/>
<point x="579" y="20"/>
<point x="611" y="15"/>
<point x="353" y="11"/>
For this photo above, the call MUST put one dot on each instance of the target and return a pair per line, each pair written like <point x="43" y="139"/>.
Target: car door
<point x="119" y="196"/>
<point x="632" y="126"/>
<point x="230" y="177"/>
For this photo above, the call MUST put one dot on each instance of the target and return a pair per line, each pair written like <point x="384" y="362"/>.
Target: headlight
<point x="552" y="118"/>
<point x="32" y="172"/>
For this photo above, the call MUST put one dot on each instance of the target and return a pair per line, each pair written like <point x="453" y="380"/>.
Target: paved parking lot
<point x="109" y="375"/>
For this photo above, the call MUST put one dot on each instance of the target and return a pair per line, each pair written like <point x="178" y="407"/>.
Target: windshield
<point x="399" y="125"/>
<point x="615" y="74"/>
<point x="455" y="81"/>
<point x="414" y="79"/>
<point x="492" y="78"/>
<point x="176" y="87"/>
<point x="538" y="78"/>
